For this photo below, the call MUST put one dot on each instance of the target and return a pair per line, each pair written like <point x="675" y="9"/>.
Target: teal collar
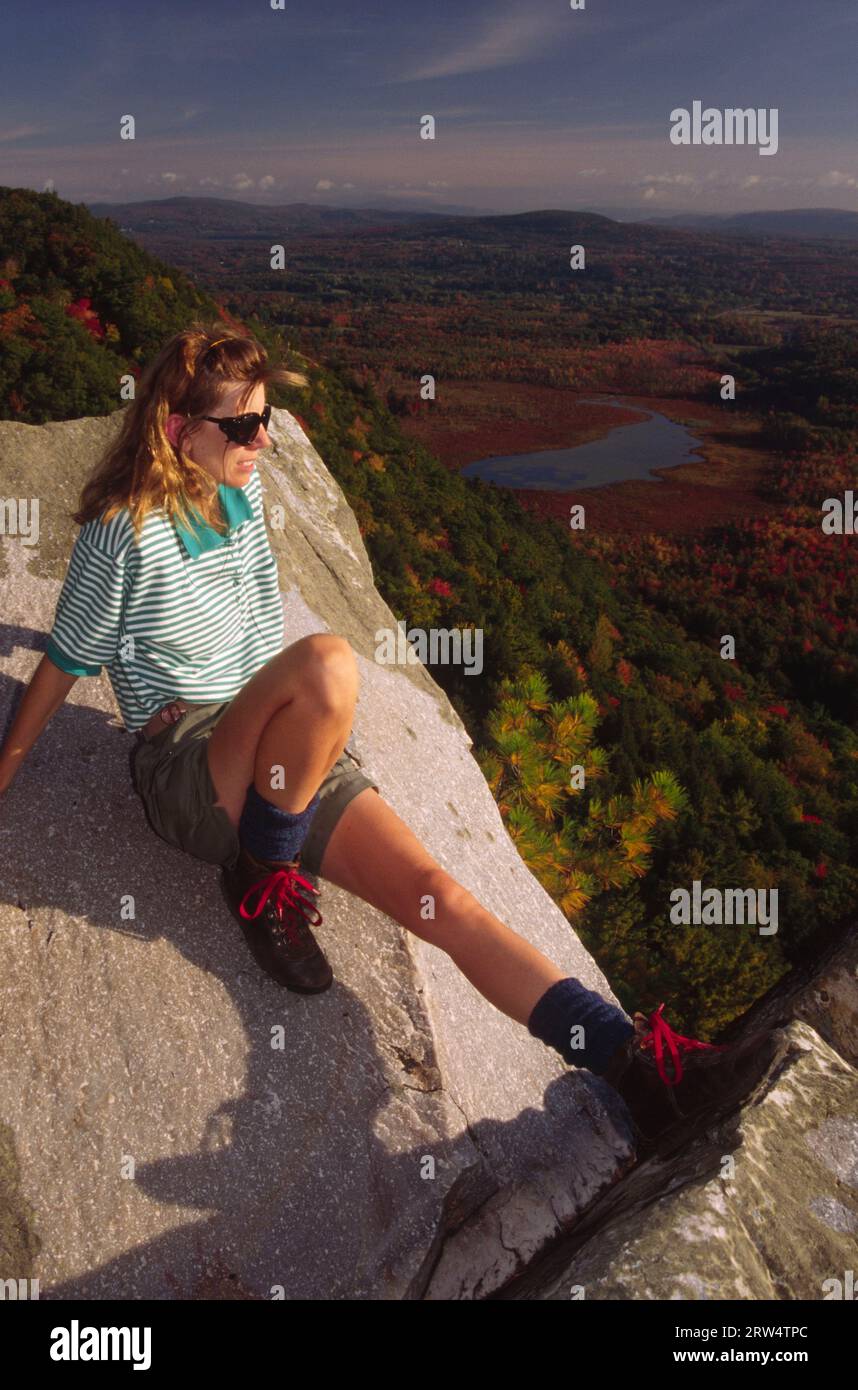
<point x="236" y="508"/>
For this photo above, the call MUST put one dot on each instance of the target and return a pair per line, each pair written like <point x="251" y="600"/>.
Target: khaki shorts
<point x="170" y="774"/>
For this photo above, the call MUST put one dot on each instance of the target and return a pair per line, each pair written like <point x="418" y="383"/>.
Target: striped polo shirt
<point x="186" y="614"/>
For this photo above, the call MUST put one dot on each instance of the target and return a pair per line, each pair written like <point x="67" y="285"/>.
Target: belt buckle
<point x="172" y="712"/>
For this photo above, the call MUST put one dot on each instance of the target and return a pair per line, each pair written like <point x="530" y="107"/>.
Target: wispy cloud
<point x="835" y="179"/>
<point x="682" y="179"/>
<point x="499" y="41"/>
<point x="19" y="132"/>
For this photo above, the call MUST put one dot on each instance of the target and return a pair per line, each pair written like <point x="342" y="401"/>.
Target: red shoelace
<point x="281" y="885"/>
<point x="663" y="1035"/>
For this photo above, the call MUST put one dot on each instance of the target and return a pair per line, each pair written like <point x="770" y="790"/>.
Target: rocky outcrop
<point x="759" y="1203"/>
<point x="409" y="1139"/>
<point x="762" y="1204"/>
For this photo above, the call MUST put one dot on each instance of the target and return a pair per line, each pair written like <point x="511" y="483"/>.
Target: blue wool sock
<point x="270" y="833"/>
<point x="567" y="1004"/>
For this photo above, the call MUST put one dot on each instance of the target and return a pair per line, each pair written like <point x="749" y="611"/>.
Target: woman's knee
<point x="444" y="906"/>
<point x="324" y="669"/>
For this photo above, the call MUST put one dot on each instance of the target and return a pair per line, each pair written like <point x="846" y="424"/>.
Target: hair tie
<point x="191" y="357"/>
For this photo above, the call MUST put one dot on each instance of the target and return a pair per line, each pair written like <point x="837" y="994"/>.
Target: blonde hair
<point x="142" y="469"/>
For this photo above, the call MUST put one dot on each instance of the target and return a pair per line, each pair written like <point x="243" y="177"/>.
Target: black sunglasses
<point x="241" y="429"/>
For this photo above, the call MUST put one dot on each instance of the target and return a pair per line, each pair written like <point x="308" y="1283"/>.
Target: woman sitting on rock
<point x="240" y="757"/>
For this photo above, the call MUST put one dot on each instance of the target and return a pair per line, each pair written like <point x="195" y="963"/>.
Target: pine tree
<point x="577" y="843"/>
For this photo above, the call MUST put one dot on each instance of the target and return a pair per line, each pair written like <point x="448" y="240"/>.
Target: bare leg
<point x="296" y="712"/>
<point x="373" y="854"/>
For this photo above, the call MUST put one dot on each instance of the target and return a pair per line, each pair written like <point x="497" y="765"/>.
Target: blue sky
<point x="536" y="105"/>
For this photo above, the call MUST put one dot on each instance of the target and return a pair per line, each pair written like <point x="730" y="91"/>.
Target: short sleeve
<point x="88" y="619"/>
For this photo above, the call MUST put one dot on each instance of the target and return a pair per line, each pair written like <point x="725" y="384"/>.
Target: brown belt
<point x="169" y="714"/>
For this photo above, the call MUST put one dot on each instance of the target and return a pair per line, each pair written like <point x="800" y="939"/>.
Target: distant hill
<point x="836" y="224"/>
<point x="211" y="218"/>
<point x="215" y="217"/>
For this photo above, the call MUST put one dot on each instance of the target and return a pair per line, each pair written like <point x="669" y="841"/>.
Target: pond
<point x="627" y="451"/>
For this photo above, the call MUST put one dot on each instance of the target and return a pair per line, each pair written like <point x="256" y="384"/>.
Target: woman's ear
<point x="172" y="426"/>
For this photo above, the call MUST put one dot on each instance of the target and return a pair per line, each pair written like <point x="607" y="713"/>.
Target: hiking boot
<point x="269" y="902"/>
<point x="663" y="1101"/>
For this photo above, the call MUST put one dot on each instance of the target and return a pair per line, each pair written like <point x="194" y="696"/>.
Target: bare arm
<point x="47" y="690"/>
